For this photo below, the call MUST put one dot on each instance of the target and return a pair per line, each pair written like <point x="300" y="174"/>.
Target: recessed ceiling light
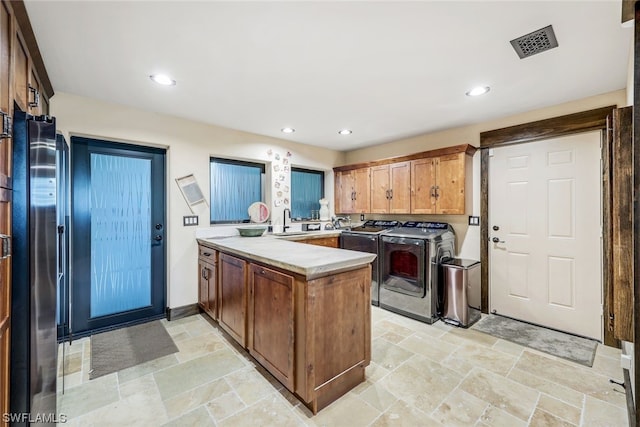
<point x="163" y="79"/>
<point x="345" y="132"/>
<point x="479" y="90"/>
<point x="288" y="130"/>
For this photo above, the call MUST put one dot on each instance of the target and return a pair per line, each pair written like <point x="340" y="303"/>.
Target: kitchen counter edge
<point x="286" y="253"/>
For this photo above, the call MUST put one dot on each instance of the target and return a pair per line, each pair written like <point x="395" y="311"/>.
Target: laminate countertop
<point x="285" y="252"/>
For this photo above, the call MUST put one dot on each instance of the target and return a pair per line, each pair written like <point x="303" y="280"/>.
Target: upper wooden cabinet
<point x="23" y="78"/>
<point x="438" y="184"/>
<point x="352" y="191"/>
<point x="430" y="182"/>
<point x="21" y="68"/>
<point x="450" y="172"/>
<point x="423" y="178"/>
<point x="391" y="188"/>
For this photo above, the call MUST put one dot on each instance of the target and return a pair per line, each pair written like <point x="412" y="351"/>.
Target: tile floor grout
<point x="376" y="402"/>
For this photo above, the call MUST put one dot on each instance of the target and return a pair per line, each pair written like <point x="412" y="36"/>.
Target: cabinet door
<point x="21" y="72"/>
<point x="6" y="94"/>
<point x="233" y="297"/>
<point x="271" y="328"/>
<point x="203" y="286"/>
<point x="400" y="188"/>
<point x="362" y="190"/>
<point x="5" y="304"/>
<point x="344" y="192"/>
<point x="423" y="175"/>
<point x="450" y="181"/>
<point x="212" y="291"/>
<point x="380" y="189"/>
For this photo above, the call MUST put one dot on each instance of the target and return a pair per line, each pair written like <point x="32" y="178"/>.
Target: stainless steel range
<point x="365" y="238"/>
<point x="409" y="261"/>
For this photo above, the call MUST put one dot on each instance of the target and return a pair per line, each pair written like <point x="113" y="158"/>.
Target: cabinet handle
<point x="391" y="194"/>
<point x="36" y="97"/>
<point x="353" y="195"/>
<point x="206" y="253"/>
<point x="433" y="191"/>
<point x="5" y="246"/>
<point x="437" y="193"/>
<point x="6" y="125"/>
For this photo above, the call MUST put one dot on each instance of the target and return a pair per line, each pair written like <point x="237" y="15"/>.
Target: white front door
<point x="545" y="213"/>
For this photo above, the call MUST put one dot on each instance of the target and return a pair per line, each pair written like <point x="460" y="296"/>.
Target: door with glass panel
<point x="118" y="233"/>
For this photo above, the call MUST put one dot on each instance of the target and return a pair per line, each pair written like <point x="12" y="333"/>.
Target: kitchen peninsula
<point x="301" y="310"/>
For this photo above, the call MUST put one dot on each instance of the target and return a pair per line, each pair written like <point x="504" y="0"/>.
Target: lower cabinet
<point x="208" y="281"/>
<point x="232" y="294"/>
<point x="271" y="333"/>
<point x="331" y="242"/>
<point x="312" y="334"/>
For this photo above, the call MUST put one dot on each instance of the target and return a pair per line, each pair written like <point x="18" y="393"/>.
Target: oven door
<point x="403" y="268"/>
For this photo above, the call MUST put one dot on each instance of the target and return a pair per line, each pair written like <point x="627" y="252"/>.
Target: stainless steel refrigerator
<point x="38" y="239"/>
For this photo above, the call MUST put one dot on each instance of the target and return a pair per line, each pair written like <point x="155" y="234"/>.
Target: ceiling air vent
<point x="535" y="42"/>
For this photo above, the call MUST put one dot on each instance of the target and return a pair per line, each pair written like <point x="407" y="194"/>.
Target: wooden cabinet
<point x="271" y="325"/>
<point x="232" y="292"/>
<point x="21" y="72"/>
<point x="391" y="188"/>
<point x="208" y="280"/>
<point x="450" y="172"/>
<point x="423" y="178"/>
<point x="438" y="185"/>
<point x="26" y="81"/>
<point x="431" y="182"/>
<point x="352" y="193"/>
<point x="7" y="27"/>
<point x="6" y="93"/>
<point x="331" y="242"/>
<point x="18" y="71"/>
<point x="333" y="335"/>
<point x="312" y="333"/>
<point x="5" y="302"/>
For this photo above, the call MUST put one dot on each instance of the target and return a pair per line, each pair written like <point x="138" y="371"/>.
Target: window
<point x="307" y="187"/>
<point x="235" y="185"/>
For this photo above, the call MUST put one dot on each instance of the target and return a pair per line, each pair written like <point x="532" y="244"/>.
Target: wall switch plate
<point x="189" y="220"/>
<point x="361" y="217"/>
<point x="474" y="220"/>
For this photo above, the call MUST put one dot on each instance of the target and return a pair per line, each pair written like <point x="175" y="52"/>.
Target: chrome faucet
<point x="284" y="219"/>
<point x="337" y="221"/>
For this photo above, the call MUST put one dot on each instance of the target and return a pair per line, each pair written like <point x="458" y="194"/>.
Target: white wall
<point x="189" y="145"/>
<point x="468" y="237"/>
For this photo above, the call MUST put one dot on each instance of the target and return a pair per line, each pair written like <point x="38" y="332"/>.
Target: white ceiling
<point x="385" y="69"/>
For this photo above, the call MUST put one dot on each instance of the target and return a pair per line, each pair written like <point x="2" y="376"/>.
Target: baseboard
<point x="184" y="311"/>
<point x="631" y="407"/>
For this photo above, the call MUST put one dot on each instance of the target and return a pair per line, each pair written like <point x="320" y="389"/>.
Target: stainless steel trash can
<point x="461" y="291"/>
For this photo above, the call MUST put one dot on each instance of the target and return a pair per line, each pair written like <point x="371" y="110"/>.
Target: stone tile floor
<point x="420" y="375"/>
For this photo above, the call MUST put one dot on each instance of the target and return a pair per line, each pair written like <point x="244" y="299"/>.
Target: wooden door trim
<point x="569" y="124"/>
